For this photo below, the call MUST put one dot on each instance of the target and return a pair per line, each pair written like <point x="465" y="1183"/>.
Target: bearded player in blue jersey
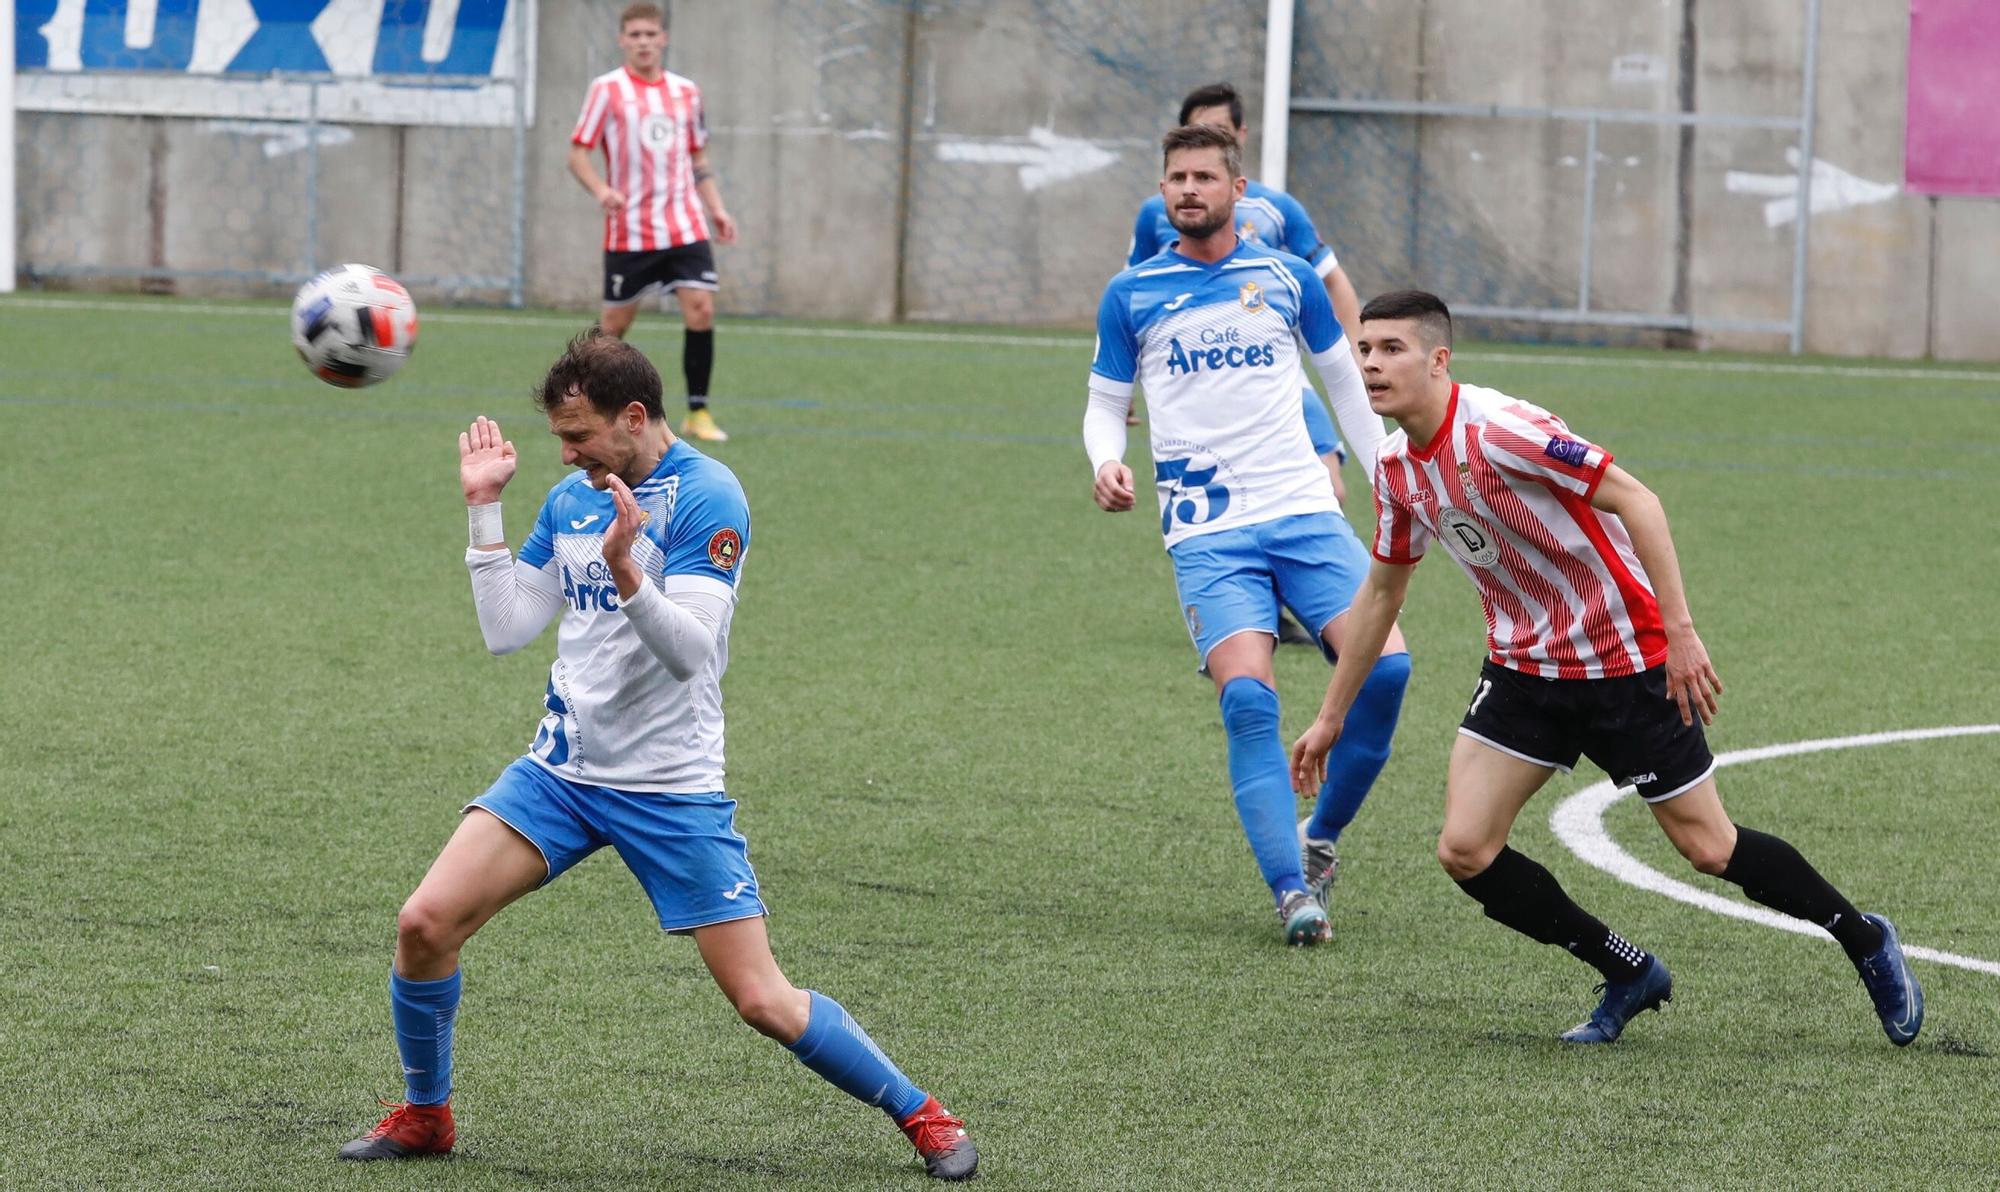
<point x="1213" y="327"/>
<point x="1263" y="216"/>
<point x="640" y="551"/>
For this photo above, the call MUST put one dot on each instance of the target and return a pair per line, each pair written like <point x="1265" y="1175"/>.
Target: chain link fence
<point x="215" y="148"/>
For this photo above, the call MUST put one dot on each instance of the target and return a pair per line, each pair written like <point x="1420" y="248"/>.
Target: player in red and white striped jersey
<point x="659" y="200"/>
<point x="1592" y="653"/>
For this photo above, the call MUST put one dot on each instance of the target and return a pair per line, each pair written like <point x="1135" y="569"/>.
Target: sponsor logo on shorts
<point x="1194" y="620"/>
<point x="724" y="548"/>
<point x="1637" y="779"/>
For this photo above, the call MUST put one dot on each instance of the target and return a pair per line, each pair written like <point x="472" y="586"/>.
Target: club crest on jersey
<point x="1466" y="538"/>
<point x="724" y="548"/>
<point x="1251" y="296"/>
<point x="1248" y="230"/>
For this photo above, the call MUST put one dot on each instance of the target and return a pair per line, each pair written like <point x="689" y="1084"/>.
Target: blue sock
<point x="424" y="1012"/>
<point x="1363" y="748"/>
<point x="1261" y="777"/>
<point x="836" y="1047"/>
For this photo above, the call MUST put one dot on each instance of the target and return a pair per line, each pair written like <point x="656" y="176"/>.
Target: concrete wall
<point x="881" y="158"/>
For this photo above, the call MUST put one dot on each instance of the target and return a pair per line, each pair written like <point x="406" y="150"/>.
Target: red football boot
<point x="409" y="1132"/>
<point x="941" y="1142"/>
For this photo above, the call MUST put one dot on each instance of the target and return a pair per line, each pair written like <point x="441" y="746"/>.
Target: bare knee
<point x="772" y="1008"/>
<point x="425" y="933"/>
<point x="1708" y="855"/>
<point x="698" y="310"/>
<point x="1463" y="858"/>
<point x="616" y="320"/>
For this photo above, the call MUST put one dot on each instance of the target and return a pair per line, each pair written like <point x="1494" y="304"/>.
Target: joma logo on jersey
<point x="1181" y="359"/>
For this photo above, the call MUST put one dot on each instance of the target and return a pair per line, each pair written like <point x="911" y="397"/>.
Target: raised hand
<point x="486" y="462"/>
<point x="623" y="532"/>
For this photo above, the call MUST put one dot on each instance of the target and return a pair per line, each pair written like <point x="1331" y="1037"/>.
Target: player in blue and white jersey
<point x="640" y="551"/>
<point x="1213" y="327"/>
<point x="1263" y="216"/>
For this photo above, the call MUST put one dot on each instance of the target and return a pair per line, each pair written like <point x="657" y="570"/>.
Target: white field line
<point x="1578" y="822"/>
<point x="1078" y="342"/>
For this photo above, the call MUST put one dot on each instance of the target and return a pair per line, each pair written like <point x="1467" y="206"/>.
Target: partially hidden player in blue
<point x="640" y="551"/>
<point x="1213" y="327"/>
<point x="1263" y="216"/>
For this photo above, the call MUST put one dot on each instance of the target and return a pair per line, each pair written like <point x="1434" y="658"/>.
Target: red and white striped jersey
<point x="650" y="132"/>
<point x="1506" y="487"/>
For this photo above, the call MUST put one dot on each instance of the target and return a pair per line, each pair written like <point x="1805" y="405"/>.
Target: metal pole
<point x="6" y="147"/>
<point x="1277" y="93"/>
<point x="1808" y="118"/>
<point x="906" y="164"/>
<point x="525" y="23"/>
<point x="312" y="177"/>
<point x="1589" y="211"/>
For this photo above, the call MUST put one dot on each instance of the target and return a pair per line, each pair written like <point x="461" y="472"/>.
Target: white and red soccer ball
<point x="354" y="325"/>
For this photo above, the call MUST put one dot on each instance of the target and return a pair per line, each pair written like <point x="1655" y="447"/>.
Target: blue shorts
<point x="1319" y="425"/>
<point x="683" y="848"/>
<point x="1232" y="581"/>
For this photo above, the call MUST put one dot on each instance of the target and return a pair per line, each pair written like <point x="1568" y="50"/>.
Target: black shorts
<point x="630" y="276"/>
<point x="1626" y="725"/>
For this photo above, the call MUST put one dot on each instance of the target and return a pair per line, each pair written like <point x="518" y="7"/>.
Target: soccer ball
<point x="354" y="325"/>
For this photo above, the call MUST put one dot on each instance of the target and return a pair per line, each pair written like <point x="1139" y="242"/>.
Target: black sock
<point x="697" y="361"/>
<point x="1521" y="894"/>
<point x="1773" y="873"/>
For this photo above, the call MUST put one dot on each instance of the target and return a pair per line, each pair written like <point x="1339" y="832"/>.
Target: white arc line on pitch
<point x="1578" y="822"/>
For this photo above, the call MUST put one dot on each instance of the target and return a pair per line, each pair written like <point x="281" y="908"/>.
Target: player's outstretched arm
<point x="1691" y="679"/>
<point x="1369" y="620"/>
<point x="514" y="601"/>
<point x="486" y="462"/>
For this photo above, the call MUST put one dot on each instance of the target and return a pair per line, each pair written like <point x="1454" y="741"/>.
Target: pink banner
<point x="1952" y="143"/>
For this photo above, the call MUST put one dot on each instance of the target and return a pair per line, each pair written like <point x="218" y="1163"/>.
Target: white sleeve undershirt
<point x="1359" y="425"/>
<point x="1104" y="427"/>
<point x="679" y="626"/>
<point x="515" y="602"/>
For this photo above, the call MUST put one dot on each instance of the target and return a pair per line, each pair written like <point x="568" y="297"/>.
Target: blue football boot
<point x="1899" y="1000"/>
<point x="1623" y="1000"/>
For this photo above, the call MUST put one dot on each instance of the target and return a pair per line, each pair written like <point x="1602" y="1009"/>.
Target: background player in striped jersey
<point x="640" y="550"/>
<point x="1213" y="326"/>
<point x="1593" y="653"/>
<point x="659" y="200"/>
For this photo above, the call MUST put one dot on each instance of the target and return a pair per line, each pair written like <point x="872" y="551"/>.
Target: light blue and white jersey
<point x="1218" y="350"/>
<point x="1263" y="216"/>
<point x="616" y="717"/>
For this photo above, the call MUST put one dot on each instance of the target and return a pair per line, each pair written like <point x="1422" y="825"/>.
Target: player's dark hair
<point x="1208" y="97"/>
<point x="642" y="12"/>
<point x="1432" y="316"/>
<point x="610" y="372"/>
<point x="1204" y="136"/>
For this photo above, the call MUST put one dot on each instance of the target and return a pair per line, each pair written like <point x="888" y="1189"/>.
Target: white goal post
<point x="6" y="146"/>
